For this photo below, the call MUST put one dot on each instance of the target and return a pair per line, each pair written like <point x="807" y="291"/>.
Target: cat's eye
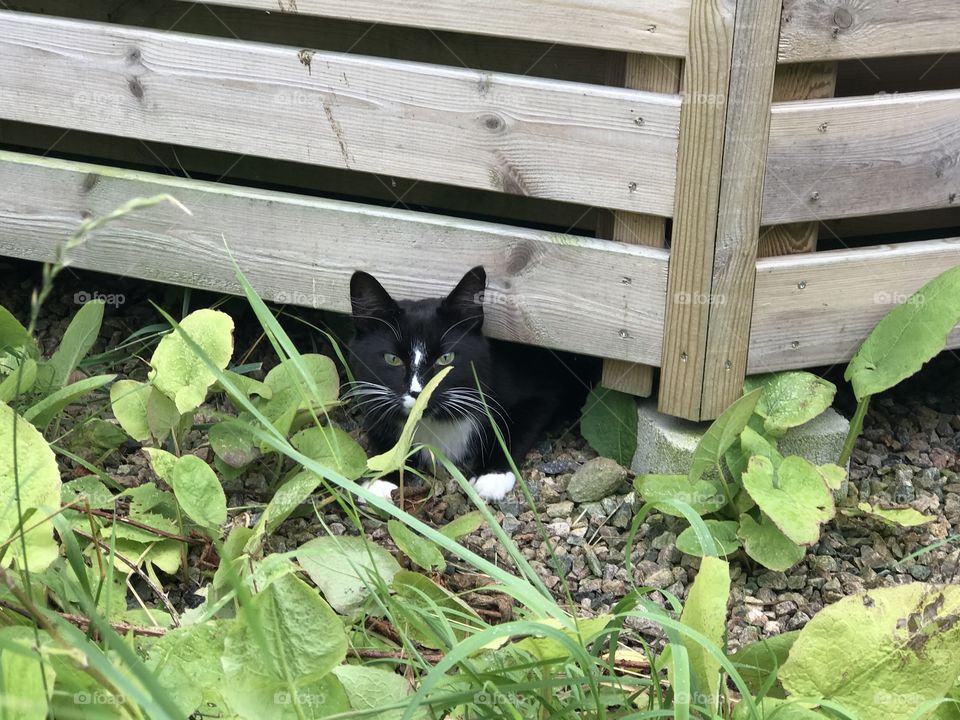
<point x="445" y="359"/>
<point x="392" y="359"/>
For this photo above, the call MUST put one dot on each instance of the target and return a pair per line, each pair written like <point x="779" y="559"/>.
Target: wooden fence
<point x="564" y="144"/>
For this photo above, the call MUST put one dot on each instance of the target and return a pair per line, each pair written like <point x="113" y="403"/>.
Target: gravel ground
<point x="907" y="457"/>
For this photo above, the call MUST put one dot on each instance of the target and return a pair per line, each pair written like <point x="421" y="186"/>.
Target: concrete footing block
<point x="665" y="444"/>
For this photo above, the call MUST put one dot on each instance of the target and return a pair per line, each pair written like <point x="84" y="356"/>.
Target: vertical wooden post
<point x="724" y="132"/>
<point x="809" y="81"/>
<point x="655" y="74"/>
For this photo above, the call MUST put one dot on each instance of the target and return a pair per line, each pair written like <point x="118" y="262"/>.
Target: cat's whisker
<point x="393" y="328"/>
<point x="472" y="318"/>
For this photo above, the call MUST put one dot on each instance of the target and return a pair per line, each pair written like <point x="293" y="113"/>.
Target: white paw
<point x="494" y="486"/>
<point x="381" y="488"/>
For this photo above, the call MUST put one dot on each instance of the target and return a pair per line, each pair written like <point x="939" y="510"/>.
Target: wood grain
<point x="863" y="156"/>
<point x="656" y="74"/>
<point x="809" y="81"/>
<point x="817" y="309"/>
<point x="521" y="135"/>
<point x="580" y="294"/>
<point x="741" y="195"/>
<point x="651" y="26"/>
<point x="489" y="53"/>
<point x="816" y="30"/>
<point x="706" y="81"/>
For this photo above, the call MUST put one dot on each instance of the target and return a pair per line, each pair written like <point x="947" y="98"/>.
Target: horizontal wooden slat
<point x="817" y="309"/>
<point x="816" y="30"/>
<point x="658" y="27"/>
<point x="593" y="296"/>
<point x="609" y="147"/>
<point x="863" y="156"/>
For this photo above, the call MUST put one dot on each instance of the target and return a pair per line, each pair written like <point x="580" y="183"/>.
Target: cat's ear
<point x="372" y="305"/>
<point x="466" y="299"/>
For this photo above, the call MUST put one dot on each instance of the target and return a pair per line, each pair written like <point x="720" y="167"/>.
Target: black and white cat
<point x="399" y="346"/>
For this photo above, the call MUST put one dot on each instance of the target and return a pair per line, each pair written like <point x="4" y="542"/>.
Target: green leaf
<point x="547" y="648"/>
<point x="880" y="654"/>
<point x="706" y="612"/>
<point x="233" y="443"/>
<point x="178" y="372"/>
<point x="199" y="492"/>
<point x="721" y="434"/>
<point x="13" y="335"/>
<point x="100" y="434"/>
<point x="796" y="499"/>
<point x="89" y="490"/>
<point x="288" y="497"/>
<point x="907" y="337"/>
<point x="421" y="552"/>
<point x="421" y="608"/>
<point x="162" y="414"/>
<point x="723" y="532"/>
<point x="47" y="409"/>
<point x="790" y="399"/>
<point x="701" y="495"/>
<point x="304" y="640"/>
<point x="761" y="660"/>
<point x="609" y="424"/>
<point x="19" y="381"/>
<point x="394" y="458"/>
<point x="24" y="679"/>
<point x="162" y="463"/>
<point x="778" y="709"/>
<point x="36" y="475"/>
<point x="77" y="340"/>
<point x="465" y="524"/>
<point x="291" y="389"/>
<point x="370" y="688"/>
<point x="765" y="543"/>
<point x="246" y="384"/>
<point x="186" y="663"/>
<point x="906" y="517"/>
<point x="346" y="568"/>
<point x="332" y="448"/>
<point x="128" y="399"/>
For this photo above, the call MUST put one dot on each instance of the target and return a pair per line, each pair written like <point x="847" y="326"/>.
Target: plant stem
<point x="856" y="427"/>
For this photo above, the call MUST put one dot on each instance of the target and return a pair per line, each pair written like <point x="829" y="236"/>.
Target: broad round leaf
<point x="178" y="372"/>
<point x="790" y="399"/>
<point x="38" y="479"/>
<point x="880" y="654"/>
<point x="765" y="543"/>
<point x="463" y="525"/>
<point x="907" y="337"/>
<point x="304" y="639"/>
<point x="795" y="498"/>
<point x="128" y="398"/>
<point x="345" y="568"/>
<point x="186" y="662"/>
<point x="723" y="532"/>
<point x="233" y="443"/>
<point x="290" y="384"/>
<point x="609" y="423"/>
<point x="199" y="492"/>
<point x="370" y="688"/>
<point x="701" y="495"/>
<point x="420" y="551"/>
<point x="332" y="448"/>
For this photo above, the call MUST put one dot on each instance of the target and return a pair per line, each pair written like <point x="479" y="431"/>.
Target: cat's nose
<point x="414" y="393"/>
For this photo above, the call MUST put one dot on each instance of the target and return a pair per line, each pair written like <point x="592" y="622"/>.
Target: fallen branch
<point x="83" y="623"/>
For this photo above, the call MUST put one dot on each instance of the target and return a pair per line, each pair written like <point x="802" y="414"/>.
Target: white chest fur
<point x="453" y="438"/>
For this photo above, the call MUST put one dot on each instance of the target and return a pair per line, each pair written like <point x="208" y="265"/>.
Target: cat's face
<point x="400" y="346"/>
